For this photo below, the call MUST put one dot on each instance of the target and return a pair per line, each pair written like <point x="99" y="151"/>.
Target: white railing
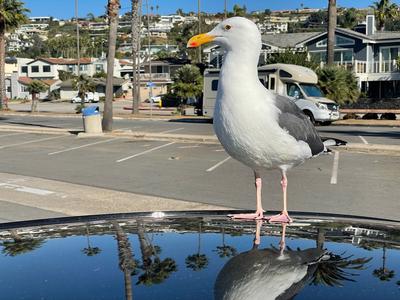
<point x="155" y="76"/>
<point x="363" y="67"/>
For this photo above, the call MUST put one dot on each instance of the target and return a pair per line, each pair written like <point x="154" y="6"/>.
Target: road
<point x="365" y="184"/>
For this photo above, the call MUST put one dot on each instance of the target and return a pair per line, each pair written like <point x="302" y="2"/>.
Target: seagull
<point x="268" y="273"/>
<point x="259" y="128"/>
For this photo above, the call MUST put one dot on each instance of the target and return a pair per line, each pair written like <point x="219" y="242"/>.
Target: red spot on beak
<point x="193" y="44"/>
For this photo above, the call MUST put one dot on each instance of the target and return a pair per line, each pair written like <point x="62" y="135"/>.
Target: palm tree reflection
<point x="89" y="250"/>
<point x="225" y="250"/>
<point x="20" y="245"/>
<point x="155" y="269"/>
<point x="197" y="261"/>
<point x="383" y="273"/>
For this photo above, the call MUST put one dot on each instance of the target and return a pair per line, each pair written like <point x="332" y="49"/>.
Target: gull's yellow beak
<point x="200" y="39"/>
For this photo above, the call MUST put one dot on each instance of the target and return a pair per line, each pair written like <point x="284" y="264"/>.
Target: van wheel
<point x="310" y="116"/>
<point x="326" y="123"/>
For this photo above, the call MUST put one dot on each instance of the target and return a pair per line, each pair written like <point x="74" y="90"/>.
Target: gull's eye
<point x="227" y="27"/>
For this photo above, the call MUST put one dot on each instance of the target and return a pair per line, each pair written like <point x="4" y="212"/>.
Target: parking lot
<point x="364" y="184"/>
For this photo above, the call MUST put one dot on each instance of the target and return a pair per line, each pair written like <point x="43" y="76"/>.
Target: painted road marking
<point x="12" y="134"/>
<point x="187" y="147"/>
<point x="171" y="130"/>
<point x="83" y="146"/>
<point x="219" y="150"/>
<point x="34" y="141"/>
<point x="218" y="164"/>
<point x="25" y="189"/>
<point x="363" y="139"/>
<point x="335" y="168"/>
<point x="144" y="152"/>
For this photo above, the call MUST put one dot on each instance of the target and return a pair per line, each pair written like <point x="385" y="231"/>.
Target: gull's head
<point x="232" y="34"/>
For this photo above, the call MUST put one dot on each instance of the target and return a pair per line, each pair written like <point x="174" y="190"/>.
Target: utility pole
<point x="78" y="55"/>
<point x="332" y="20"/>
<point x="199" y="19"/>
<point x="225" y="10"/>
<point x="150" y="85"/>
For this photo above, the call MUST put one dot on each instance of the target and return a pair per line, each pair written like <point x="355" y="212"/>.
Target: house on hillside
<point x="370" y="54"/>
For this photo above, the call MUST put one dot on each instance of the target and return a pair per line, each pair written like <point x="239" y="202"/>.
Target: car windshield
<point x="311" y="90"/>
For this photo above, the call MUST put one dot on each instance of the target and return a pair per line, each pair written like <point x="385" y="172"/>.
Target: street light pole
<point x="78" y="54"/>
<point x="150" y="86"/>
<point x="199" y="19"/>
<point x="225" y="11"/>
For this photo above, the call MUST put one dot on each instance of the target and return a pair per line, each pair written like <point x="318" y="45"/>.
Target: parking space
<point x="202" y="172"/>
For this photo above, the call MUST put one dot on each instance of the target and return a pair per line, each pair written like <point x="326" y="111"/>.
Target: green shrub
<point x="338" y="84"/>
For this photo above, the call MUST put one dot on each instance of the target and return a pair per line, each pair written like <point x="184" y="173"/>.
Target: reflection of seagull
<point x="260" y="129"/>
<point x="267" y="273"/>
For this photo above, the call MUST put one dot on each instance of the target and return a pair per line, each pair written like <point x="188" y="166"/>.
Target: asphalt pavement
<point x="363" y="184"/>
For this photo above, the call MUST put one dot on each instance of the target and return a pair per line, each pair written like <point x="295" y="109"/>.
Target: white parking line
<point x="34" y="141"/>
<point x="187" y="147"/>
<point x="144" y="152"/>
<point x="219" y="150"/>
<point x="363" y="139"/>
<point x="171" y="130"/>
<point x="12" y="134"/>
<point x="335" y="168"/>
<point x="83" y="146"/>
<point x="218" y="164"/>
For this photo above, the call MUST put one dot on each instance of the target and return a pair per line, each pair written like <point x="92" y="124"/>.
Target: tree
<point x="89" y="250"/>
<point x="12" y="15"/>
<point x="113" y="9"/>
<point x="136" y="5"/>
<point x="188" y="82"/>
<point x="332" y="19"/>
<point x="338" y="84"/>
<point x="91" y="16"/>
<point x="383" y="273"/>
<point x="225" y="250"/>
<point x="34" y="88"/>
<point x="180" y="12"/>
<point x="197" y="261"/>
<point x="291" y="57"/>
<point x="239" y="11"/>
<point x="65" y="75"/>
<point x="384" y="10"/>
<point x="83" y="84"/>
<point x="349" y="18"/>
<point x="20" y="245"/>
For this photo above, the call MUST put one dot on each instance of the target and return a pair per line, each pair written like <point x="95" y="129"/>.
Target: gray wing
<point x="298" y="125"/>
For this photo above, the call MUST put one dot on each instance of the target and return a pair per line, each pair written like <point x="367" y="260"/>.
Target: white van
<point x="89" y="97"/>
<point x="295" y="82"/>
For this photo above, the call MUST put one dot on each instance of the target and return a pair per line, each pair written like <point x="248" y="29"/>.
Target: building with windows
<point x="372" y="55"/>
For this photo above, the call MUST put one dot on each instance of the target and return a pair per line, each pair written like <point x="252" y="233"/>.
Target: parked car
<point x="89" y="97"/>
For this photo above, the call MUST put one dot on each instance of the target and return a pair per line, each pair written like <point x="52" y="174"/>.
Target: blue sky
<point x="65" y="8"/>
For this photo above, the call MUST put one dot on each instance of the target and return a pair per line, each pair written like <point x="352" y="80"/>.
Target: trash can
<point x="91" y="119"/>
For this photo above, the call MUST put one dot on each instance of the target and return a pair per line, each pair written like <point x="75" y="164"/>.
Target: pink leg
<point x="259" y="214"/>
<point x="282" y="242"/>
<point x="283" y="217"/>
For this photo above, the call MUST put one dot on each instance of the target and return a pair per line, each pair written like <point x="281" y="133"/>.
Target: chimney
<point x="370" y="27"/>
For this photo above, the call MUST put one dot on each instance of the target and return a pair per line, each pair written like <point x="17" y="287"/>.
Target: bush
<point x="338" y="84"/>
<point x="370" y="116"/>
<point x="388" y="116"/>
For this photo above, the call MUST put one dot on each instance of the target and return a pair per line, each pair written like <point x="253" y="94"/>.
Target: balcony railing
<point x="156" y="76"/>
<point x="363" y="67"/>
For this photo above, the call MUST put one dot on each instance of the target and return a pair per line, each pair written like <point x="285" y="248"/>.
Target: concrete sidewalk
<point x="27" y="198"/>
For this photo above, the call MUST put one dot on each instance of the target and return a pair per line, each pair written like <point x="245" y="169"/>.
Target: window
<point x="35" y="69"/>
<point x="318" y="56"/>
<point x="24" y="88"/>
<point x="311" y="90"/>
<point x="339" y="41"/>
<point x="272" y="83"/>
<point x="293" y="90"/>
<point x="24" y="69"/>
<point x="214" y="85"/>
<point x="83" y="67"/>
<point x="99" y="68"/>
<point x="159" y="69"/>
<point x="285" y="74"/>
<point x="46" y="69"/>
<point x="9" y="89"/>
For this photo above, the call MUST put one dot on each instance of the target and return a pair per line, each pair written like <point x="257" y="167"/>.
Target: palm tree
<point x="91" y="16"/>
<point x="83" y="84"/>
<point x="155" y="269"/>
<point x="225" y="250"/>
<point x="126" y="262"/>
<point x="12" y="15"/>
<point x="197" y="261"/>
<point x="20" y="245"/>
<point x="157" y="7"/>
<point x="332" y="20"/>
<point x="89" y="250"/>
<point x="113" y="9"/>
<point x="188" y="82"/>
<point x="34" y="88"/>
<point x="383" y="273"/>
<point x="136" y="6"/>
<point x="384" y="10"/>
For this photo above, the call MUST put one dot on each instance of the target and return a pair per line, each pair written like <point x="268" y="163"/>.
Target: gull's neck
<point x="240" y="65"/>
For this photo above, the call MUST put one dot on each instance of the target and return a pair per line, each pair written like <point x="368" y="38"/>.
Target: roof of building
<point x="288" y="40"/>
<point x="63" y="61"/>
<point x="27" y="80"/>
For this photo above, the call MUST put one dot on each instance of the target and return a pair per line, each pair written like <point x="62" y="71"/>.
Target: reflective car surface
<point x="199" y="256"/>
